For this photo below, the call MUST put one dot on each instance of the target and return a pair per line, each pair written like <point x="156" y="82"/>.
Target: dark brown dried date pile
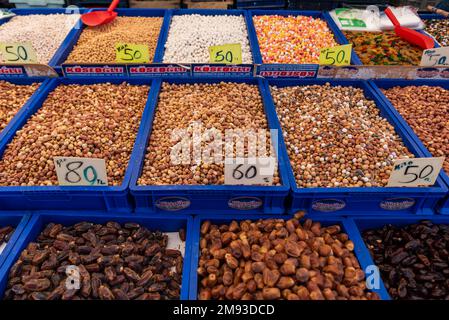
<point x="278" y="259"/>
<point x="5" y="234"/>
<point x="114" y="262"/>
<point x="413" y="260"/>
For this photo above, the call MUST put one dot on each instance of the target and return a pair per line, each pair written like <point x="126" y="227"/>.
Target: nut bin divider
<point x="17" y="219"/>
<point x="150" y="191"/>
<point x="27" y="105"/>
<point x="356" y="196"/>
<point x="65" y="197"/>
<point x="162" y="223"/>
<point x="377" y="85"/>
<point x="360" y="250"/>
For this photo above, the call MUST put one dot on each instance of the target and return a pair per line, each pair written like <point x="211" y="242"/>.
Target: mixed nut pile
<point x="45" y="32"/>
<point x="12" y="98"/>
<point x="95" y="121"/>
<point x="439" y="29"/>
<point x="413" y="260"/>
<point x="278" y="259"/>
<point x="426" y="110"/>
<point x="96" y="261"/>
<point x="97" y="44"/>
<point x="217" y="107"/>
<point x="5" y="235"/>
<point x="336" y="137"/>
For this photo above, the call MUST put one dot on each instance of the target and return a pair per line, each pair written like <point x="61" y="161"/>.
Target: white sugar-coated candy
<point x="190" y="37"/>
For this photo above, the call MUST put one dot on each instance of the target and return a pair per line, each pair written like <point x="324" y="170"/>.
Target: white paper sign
<point x="74" y="171"/>
<point x="436" y="57"/>
<point x="249" y="171"/>
<point x="415" y="172"/>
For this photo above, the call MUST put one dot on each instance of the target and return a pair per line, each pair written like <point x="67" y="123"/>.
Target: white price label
<point x="249" y="171"/>
<point x="74" y="171"/>
<point x="415" y="172"/>
<point x="436" y="57"/>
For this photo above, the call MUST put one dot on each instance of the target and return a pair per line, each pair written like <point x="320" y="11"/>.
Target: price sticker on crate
<point x="336" y="56"/>
<point x="226" y="53"/>
<point x="415" y="172"/>
<point x="18" y="52"/>
<point x="436" y="57"/>
<point x="132" y="53"/>
<point x="74" y="171"/>
<point x="249" y="171"/>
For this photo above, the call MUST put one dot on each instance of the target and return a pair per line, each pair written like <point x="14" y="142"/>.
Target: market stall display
<point x="383" y="48"/>
<point x="12" y="98"/>
<point x="191" y="35"/>
<point x="45" y="32"/>
<point x="97" y="44"/>
<point x="439" y="29"/>
<point x="292" y="39"/>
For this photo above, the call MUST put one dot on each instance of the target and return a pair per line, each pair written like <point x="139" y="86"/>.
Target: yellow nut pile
<point x="95" y="121"/>
<point x="97" y="45"/>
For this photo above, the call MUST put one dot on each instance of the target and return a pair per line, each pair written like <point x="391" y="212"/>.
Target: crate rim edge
<point x="23" y="218"/>
<point x="35" y="218"/>
<point x="51" y="85"/>
<point x="137" y="189"/>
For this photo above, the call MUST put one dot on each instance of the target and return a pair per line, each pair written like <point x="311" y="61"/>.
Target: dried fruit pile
<point x="336" y="137"/>
<point x="95" y="261"/>
<point x="439" y="29"/>
<point x="413" y="260"/>
<point x="278" y="259"/>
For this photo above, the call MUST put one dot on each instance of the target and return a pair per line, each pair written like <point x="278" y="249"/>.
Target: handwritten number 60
<point x="250" y="173"/>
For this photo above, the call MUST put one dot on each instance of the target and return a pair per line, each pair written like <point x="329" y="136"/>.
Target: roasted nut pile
<point x="191" y="35"/>
<point x="292" y="39"/>
<point x="426" y="110"/>
<point x="97" y="45"/>
<point x="221" y="106"/>
<point x="44" y="32"/>
<point x="95" y="121"/>
<point x="413" y="260"/>
<point x="439" y="29"/>
<point x="5" y="235"/>
<point x="12" y="98"/>
<point x="113" y="262"/>
<point x="335" y="136"/>
<point x="278" y="259"/>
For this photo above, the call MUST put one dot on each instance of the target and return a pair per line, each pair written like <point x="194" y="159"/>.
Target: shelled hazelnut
<point x="94" y="121"/>
<point x="426" y="110"/>
<point x="97" y="261"/>
<point x="336" y="137"/>
<point x="12" y="98"/>
<point x="278" y="259"/>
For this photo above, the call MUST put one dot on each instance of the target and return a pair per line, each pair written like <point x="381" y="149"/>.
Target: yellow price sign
<point x="132" y="53"/>
<point x="18" y="52"/>
<point x="336" y="56"/>
<point x="226" y="53"/>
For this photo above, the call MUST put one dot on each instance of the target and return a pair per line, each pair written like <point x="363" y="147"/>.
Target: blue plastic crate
<point x="115" y="198"/>
<point x="358" y="225"/>
<point x="386" y="84"/>
<point x="63" y="47"/>
<point x="28" y="104"/>
<point x="225" y="70"/>
<point x="360" y="250"/>
<point x="289" y="70"/>
<point x="121" y="12"/>
<point x="38" y="221"/>
<point x="194" y="198"/>
<point x="361" y="200"/>
<point x="18" y="220"/>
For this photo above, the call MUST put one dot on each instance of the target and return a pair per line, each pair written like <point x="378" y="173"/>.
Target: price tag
<point x="436" y="57"/>
<point x="249" y="171"/>
<point x="415" y="172"/>
<point x="227" y="53"/>
<point x="74" y="171"/>
<point x="132" y="53"/>
<point x="336" y="56"/>
<point x="18" y="52"/>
